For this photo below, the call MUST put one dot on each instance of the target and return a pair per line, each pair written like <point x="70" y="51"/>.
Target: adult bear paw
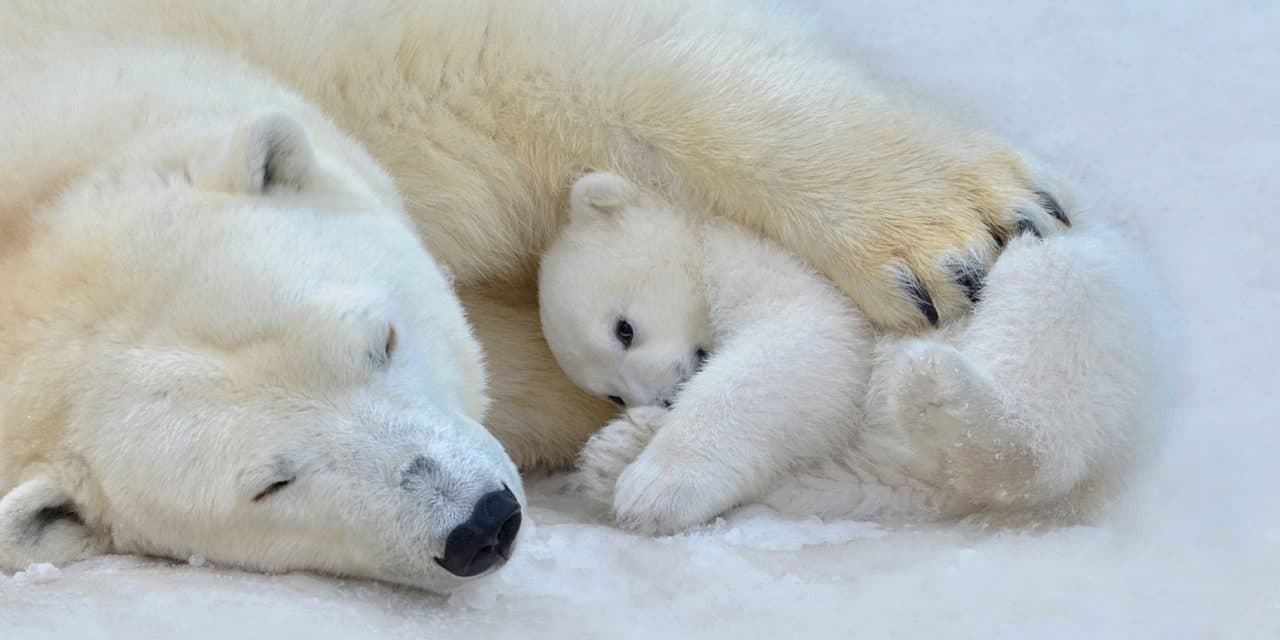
<point x="928" y="264"/>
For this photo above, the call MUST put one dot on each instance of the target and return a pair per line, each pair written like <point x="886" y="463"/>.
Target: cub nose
<point x="484" y="540"/>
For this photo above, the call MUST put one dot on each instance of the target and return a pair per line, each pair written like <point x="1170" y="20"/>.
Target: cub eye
<point x="274" y="488"/>
<point x="618" y="401"/>
<point x="624" y="333"/>
<point x="701" y="355"/>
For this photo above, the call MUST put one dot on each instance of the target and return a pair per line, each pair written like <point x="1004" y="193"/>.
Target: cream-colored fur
<point x="220" y="334"/>
<point x="1035" y="409"/>
<point x="484" y="111"/>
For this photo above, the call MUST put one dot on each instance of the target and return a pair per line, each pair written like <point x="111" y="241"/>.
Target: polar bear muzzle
<point x="484" y="541"/>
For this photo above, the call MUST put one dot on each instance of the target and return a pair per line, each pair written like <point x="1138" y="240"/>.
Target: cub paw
<point x="954" y="415"/>
<point x="936" y="393"/>
<point x="611" y="450"/>
<point x="661" y="495"/>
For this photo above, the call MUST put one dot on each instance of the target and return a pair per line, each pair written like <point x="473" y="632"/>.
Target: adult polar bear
<point x="484" y="113"/>
<point x="220" y="335"/>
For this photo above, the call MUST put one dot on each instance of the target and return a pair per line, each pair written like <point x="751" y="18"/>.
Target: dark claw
<point x="970" y="276"/>
<point x="920" y="296"/>
<point x="1051" y="205"/>
<point x="1025" y="226"/>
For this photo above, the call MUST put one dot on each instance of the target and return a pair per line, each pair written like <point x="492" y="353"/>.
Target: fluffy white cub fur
<point x="1033" y="410"/>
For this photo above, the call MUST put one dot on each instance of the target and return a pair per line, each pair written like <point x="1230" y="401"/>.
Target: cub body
<point x="803" y="403"/>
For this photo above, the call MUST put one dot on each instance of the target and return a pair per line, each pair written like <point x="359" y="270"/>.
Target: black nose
<point x="484" y="540"/>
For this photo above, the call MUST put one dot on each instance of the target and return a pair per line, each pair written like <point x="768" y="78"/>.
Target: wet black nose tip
<point x="484" y="540"/>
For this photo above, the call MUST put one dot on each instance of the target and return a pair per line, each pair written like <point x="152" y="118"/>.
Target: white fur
<point x="200" y="285"/>
<point x="1034" y="409"/>
<point x="485" y="111"/>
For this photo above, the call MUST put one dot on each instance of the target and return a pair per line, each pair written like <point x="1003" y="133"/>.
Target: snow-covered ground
<point x="1164" y="113"/>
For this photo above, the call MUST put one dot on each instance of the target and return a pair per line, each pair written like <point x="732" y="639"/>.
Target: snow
<point x="37" y="574"/>
<point x="1164" y="114"/>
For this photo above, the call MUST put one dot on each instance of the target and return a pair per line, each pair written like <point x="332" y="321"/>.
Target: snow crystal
<point x="38" y="574"/>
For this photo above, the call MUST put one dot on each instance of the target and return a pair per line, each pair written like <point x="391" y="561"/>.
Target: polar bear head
<point x="620" y="294"/>
<point x="232" y="344"/>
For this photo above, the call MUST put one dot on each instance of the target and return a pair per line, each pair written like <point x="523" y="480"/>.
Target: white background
<point x="1166" y="114"/>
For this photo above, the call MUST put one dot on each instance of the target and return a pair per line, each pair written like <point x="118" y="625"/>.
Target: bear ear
<point x="599" y="195"/>
<point x="39" y="523"/>
<point x="267" y="152"/>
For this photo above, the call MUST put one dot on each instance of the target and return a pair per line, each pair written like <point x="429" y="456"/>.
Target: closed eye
<point x="273" y="489"/>
<point x="390" y="347"/>
<point x="381" y="359"/>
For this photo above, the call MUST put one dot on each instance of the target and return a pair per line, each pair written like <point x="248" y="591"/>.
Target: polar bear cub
<point x="745" y="375"/>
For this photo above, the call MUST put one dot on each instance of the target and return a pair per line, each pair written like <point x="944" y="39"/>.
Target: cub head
<point x="620" y="294"/>
<point x="229" y="342"/>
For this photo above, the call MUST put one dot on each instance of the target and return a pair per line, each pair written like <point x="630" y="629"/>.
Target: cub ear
<point x="600" y="194"/>
<point x="267" y="152"/>
<point x="39" y="523"/>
